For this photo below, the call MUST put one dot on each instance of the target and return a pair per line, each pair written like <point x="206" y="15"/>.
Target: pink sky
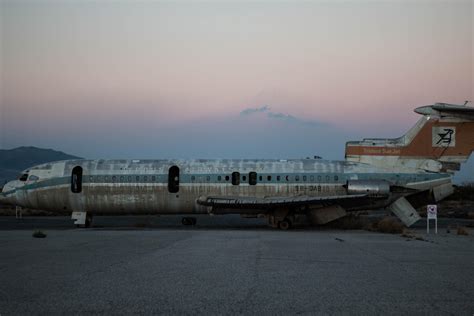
<point x="143" y="79"/>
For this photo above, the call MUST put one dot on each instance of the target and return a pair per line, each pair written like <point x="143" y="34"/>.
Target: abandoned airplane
<point x="400" y="174"/>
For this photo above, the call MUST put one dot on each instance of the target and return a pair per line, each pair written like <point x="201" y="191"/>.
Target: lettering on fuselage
<point x="382" y="151"/>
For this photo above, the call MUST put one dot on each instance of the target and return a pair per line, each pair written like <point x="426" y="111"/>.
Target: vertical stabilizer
<point x="439" y="142"/>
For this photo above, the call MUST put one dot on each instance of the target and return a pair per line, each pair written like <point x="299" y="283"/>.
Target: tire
<point x="187" y="221"/>
<point x="284" y="224"/>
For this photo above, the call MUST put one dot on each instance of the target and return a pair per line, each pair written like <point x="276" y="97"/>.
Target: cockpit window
<point x="33" y="178"/>
<point x="23" y="177"/>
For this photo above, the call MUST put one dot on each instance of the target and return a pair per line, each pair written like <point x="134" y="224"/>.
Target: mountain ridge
<point x="15" y="160"/>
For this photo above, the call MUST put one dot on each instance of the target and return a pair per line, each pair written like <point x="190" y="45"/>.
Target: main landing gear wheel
<point x="187" y="221"/>
<point x="284" y="224"/>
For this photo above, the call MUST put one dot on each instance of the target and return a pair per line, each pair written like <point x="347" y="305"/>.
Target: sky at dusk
<point x="268" y="79"/>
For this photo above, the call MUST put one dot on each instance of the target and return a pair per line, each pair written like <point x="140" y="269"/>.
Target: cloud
<point x="250" y="111"/>
<point x="280" y="116"/>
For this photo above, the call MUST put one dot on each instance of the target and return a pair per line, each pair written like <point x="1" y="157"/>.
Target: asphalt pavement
<point x="233" y="268"/>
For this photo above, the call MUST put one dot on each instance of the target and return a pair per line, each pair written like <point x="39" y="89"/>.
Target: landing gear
<point x="188" y="221"/>
<point x="285" y="224"/>
<point x="282" y="219"/>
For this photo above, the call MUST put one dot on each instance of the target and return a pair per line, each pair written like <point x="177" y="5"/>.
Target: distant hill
<point x="13" y="161"/>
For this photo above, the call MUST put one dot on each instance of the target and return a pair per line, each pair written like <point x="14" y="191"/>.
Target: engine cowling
<point x="377" y="187"/>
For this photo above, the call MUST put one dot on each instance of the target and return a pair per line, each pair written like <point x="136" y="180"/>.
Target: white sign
<point x="432" y="211"/>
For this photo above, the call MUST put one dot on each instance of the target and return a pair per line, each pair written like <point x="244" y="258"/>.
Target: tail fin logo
<point x="444" y="136"/>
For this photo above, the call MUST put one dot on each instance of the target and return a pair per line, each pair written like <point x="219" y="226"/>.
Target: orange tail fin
<point x="439" y="142"/>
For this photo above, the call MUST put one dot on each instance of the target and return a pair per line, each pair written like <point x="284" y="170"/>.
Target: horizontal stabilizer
<point x="447" y="110"/>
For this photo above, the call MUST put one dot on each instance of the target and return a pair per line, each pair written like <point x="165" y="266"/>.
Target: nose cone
<point x="7" y="194"/>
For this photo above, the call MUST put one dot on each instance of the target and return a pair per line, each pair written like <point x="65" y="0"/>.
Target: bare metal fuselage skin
<point x="143" y="186"/>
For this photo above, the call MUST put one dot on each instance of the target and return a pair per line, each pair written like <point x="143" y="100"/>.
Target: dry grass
<point x="462" y="231"/>
<point x="388" y="225"/>
<point x="408" y="234"/>
<point x="463" y="192"/>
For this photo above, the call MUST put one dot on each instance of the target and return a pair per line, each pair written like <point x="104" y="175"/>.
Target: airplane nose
<point x="7" y="194"/>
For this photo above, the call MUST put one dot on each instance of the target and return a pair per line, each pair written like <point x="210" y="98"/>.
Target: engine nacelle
<point x="379" y="187"/>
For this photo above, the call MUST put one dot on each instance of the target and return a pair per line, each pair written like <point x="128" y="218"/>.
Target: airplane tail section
<point x="439" y="142"/>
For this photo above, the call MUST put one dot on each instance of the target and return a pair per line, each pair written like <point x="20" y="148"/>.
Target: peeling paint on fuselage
<point x="141" y="186"/>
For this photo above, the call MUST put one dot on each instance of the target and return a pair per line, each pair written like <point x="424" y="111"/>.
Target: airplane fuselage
<point x="173" y="186"/>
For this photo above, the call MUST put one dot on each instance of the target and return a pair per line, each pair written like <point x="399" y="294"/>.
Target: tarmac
<point x="229" y="265"/>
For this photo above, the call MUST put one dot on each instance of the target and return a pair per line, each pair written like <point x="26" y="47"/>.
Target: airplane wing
<point x="243" y="202"/>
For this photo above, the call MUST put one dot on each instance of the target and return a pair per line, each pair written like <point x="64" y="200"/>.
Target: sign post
<point x="431" y="213"/>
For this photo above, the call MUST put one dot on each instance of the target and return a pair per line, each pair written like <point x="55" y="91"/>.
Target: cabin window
<point x="23" y="177"/>
<point x="114" y="178"/>
<point x="252" y="178"/>
<point x="244" y="178"/>
<point x="297" y="178"/>
<point x="33" y="178"/>
<point x="311" y="178"/>
<point x="235" y="178"/>
<point x="193" y="178"/>
<point x="278" y="178"/>
<point x="219" y="178"/>
<point x="336" y="178"/>
<point x="208" y="178"/>
<point x="226" y="178"/>
<point x="269" y="178"/>
<point x="287" y="178"/>
<point x="137" y="178"/>
<point x="76" y="180"/>
<point x="319" y="178"/>
<point x="327" y="178"/>
<point x="121" y="178"/>
<point x="173" y="179"/>
<point x="304" y="178"/>
<point x="260" y="178"/>
<point x="153" y="178"/>
<point x="129" y="178"/>
<point x="145" y="178"/>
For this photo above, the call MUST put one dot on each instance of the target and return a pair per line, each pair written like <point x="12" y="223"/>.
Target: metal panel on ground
<point x="442" y="191"/>
<point x="405" y="212"/>
<point x="327" y="214"/>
